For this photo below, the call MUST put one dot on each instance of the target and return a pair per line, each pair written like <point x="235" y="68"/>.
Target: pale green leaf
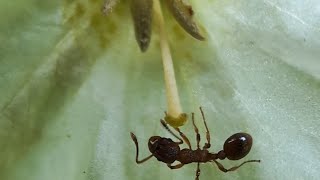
<point x="74" y="84"/>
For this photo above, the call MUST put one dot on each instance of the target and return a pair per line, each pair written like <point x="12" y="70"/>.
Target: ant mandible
<point x="165" y="150"/>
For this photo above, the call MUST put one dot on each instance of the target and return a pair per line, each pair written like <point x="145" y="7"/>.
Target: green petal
<point x="71" y="94"/>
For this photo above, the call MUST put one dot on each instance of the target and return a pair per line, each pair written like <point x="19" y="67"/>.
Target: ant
<point x="165" y="150"/>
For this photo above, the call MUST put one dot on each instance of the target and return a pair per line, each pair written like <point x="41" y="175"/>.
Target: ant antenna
<point x="164" y="124"/>
<point x="206" y="145"/>
<point x="222" y="168"/>
<point x="197" y="132"/>
<point x="184" y="137"/>
<point x="134" y="138"/>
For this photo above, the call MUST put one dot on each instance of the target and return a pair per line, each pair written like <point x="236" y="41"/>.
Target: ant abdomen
<point x="237" y="146"/>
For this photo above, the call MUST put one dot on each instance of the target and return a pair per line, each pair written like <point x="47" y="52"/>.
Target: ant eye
<point x="153" y="143"/>
<point x="237" y="146"/>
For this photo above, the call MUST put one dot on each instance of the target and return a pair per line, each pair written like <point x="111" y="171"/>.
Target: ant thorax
<point x="187" y="156"/>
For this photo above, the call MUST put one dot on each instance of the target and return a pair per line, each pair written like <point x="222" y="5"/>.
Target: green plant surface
<point x="73" y="84"/>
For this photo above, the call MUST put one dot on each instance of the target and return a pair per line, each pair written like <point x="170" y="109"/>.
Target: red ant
<point x="235" y="147"/>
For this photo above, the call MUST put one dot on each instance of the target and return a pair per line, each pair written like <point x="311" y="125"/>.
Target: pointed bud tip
<point x="143" y="45"/>
<point x="199" y="37"/>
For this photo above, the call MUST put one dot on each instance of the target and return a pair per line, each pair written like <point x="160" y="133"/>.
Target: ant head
<point x="153" y="143"/>
<point x="164" y="149"/>
<point x="237" y="146"/>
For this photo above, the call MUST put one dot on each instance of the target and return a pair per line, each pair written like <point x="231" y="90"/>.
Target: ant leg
<point x="134" y="138"/>
<point x="206" y="145"/>
<point x="175" y="166"/>
<point x="197" y="132"/>
<point x="164" y="124"/>
<point x="220" y="166"/>
<point x="198" y="171"/>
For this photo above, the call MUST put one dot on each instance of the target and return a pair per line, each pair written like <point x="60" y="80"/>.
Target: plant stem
<point x="174" y="117"/>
